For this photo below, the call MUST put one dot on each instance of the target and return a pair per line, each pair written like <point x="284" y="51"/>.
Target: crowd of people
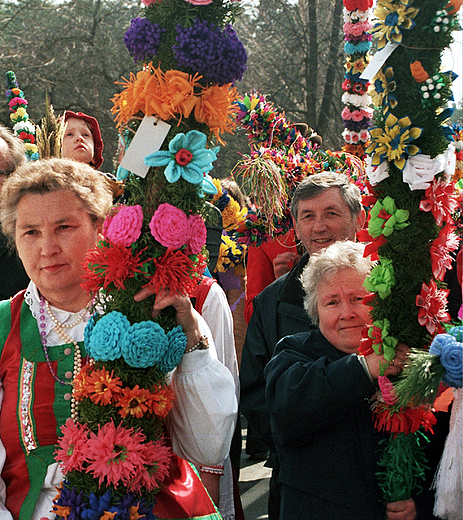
<point x="300" y="382"/>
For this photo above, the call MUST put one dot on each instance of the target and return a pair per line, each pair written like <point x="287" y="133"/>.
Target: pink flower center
<point x="183" y="157"/>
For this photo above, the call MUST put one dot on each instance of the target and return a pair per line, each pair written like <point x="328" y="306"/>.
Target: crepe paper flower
<point x="358" y="87"/>
<point x="151" y="475"/>
<point x="381" y="278"/>
<point x="440" y="199"/>
<point x="372" y="244"/>
<point x="383" y="88"/>
<point x="17" y="102"/>
<point x="207" y="186"/>
<point x="199" y="2"/>
<point x="70" y="503"/>
<point x="357" y="100"/>
<point x="385" y="218"/>
<point x="419" y="171"/>
<point x="107" y="266"/>
<point x="79" y="390"/>
<point x="20" y="115"/>
<point x="453" y="6"/>
<point x="174" y="353"/>
<point x="144" y="344"/>
<point x="418" y="72"/>
<point x="133" y="402"/>
<point x="355" y="16"/>
<point x="125" y="227"/>
<point x="357" y="66"/>
<point x="361" y="5"/>
<point x="404" y="420"/>
<point x="352" y="137"/>
<point x="392" y="141"/>
<point x="115" y="454"/>
<point x="103" y="387"/>
<point x="187" y="157"/>
<point x="393" y="17"/>
<point x="161" y="400"/>
<point x="174" y="271"/>
<point x="432" y="303"/>
<point x="387" y="390"/>
<point x="376" y="174"/>
<point x="381" y="341"/>
<point x="154" y="92"/>
<point x="218" y="55"/>
<point x="70" y="452"/>
<point x="105" y="341"/>
<point x="217" y="109"/>
<point x="196" y="235"/>
<point x="142" y="39"/>
<point x="450" y="352"/>
<point x="441" y="247"/>
<point x="97" y="506"/>
<point x="233" y="215"/>
<point x="170" y="226"/>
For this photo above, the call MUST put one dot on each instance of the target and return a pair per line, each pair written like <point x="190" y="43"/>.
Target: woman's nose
<point x="49" y="245"/>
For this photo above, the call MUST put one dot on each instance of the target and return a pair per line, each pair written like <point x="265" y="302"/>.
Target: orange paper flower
<point x="418" y="72"/>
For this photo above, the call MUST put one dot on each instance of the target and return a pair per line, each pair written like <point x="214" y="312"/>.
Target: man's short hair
<point x="315" y="185"/>
<point x="16" y="150"/>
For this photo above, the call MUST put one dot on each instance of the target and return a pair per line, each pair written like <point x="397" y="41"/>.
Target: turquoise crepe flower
<point x="187" y="157"/>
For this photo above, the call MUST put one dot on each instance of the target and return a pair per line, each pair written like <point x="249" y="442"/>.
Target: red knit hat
<point x="94" y="127"/>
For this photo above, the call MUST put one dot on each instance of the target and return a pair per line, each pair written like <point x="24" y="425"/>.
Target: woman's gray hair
<point x="322" y="266"/>
<point x="16" y="150"/>
<point x="50" y="175"/>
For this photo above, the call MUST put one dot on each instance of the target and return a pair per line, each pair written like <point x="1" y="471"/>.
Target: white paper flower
<point x="357" y="101"/>
<point x="420" y="170"/>
<point x="376" y="174"/>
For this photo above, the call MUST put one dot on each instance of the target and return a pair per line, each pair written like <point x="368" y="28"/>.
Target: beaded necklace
<point x="59" y="329"/>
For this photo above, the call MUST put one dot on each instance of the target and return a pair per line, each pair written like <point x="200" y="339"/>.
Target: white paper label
<point x="149" y="138"/>
<point x="378" y="61"/>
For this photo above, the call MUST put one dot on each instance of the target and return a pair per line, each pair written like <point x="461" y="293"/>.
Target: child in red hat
<point x="82" y="139"/>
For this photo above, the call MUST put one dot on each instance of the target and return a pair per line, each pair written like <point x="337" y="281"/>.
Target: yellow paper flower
<point x="392" y="19"/>
<point x="233" y="215"/>
<point x="219" y="193"/>
<point x="392" y="141"/>
<point x="383" y="88"/>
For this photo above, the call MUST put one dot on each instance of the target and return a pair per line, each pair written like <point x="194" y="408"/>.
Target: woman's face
<point x="341" y="311"/>
<point x="78" y="141"/>
<point x="53" y="235"/>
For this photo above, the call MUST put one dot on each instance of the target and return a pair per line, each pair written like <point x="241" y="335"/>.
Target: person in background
<point x="13" y="277"/>
<point x="325" y="208"/>
<point x="318" y="392"/>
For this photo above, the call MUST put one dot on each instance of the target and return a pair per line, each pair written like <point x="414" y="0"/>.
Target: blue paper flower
<point x="187" y="157"/>
<point x="450" y="352"/>
<point x="97" y="506"/>
<point x="106" y="336"/>
<point x="142" y="39"/>
<point x="144" y="345"/>
<point x="75" y="501"/>
<point x="173" y="355"/>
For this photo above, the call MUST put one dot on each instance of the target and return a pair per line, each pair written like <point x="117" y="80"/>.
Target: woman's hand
<point x="394" y="368"/>
<point x="185" y="315"/>
<point x="401" y="510"/>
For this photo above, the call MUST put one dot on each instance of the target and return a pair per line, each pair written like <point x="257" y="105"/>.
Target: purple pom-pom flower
<point x="142" y="39"/>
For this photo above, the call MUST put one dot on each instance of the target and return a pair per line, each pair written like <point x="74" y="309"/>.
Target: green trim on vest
<point x="5" y="322"/>
<point x="37" y="465"/>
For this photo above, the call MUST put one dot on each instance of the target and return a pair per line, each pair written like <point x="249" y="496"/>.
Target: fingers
<point x="401" y="510"/>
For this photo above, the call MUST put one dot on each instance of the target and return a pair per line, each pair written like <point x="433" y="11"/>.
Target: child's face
<point x="78" y="141"/>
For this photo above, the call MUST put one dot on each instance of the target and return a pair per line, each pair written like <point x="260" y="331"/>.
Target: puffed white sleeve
<point x="4" y="513"/>
<point x="203" y="417"/>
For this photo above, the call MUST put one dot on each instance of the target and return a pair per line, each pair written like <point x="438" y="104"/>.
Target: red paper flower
<point x="133" y="402"/>
<point x="446" y="242"/>
<point x="109" y="265"/>
<point x="433" y="307"/>
<point x="71" y="446"/>
<point x="174" y="271"/>
<point x="406" y="420"/>
<point x="103" y="387"/>
<point x="160" y="402"/>
<point x="373" y="244"/>
<point x="440" y="200"/>
<point x="156" y="468"/>
<point x="361" y="5"/>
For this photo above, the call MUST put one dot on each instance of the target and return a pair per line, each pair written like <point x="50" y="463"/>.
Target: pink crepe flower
<point x="71" y="452"/>
<point x="346" y="114"/>
<point x="387" y="390"/>
<point x="124" y="228"/>
<point x="357" y="116"/>
<point x="199" y="2"/>
<point x="440" y="200"/>
<point x="149" y="2"/>
<point x="445" y="243"/>
<point x="115" y="454"/>
<point x="169" y="226"/>
<point x="156" y="468"/>
<point x="197" y="235"/>
<point x="433" y="307"/>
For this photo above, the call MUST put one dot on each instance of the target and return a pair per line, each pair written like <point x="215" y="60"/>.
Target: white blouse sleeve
<point x="203" y="417"/>
<point x="4" y="513"/>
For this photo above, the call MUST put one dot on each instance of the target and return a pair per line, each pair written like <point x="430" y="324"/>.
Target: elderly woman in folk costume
<point x="53" y="211"/>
